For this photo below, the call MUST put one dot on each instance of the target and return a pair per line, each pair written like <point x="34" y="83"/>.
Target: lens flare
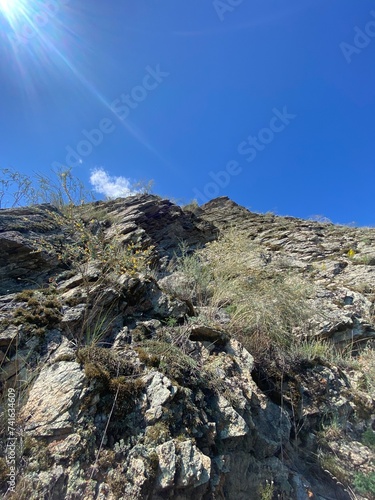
<point x="42" y="42"/>
<point x="7" y="6"/>
<point x="13" y="11"/>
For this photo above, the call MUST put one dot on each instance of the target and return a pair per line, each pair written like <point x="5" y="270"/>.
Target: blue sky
<point x="270" y="103"/>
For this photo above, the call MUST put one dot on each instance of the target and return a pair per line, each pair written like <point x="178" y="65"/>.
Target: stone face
<point x="72" y="315"/>
<point x="233" y="425"/>
<point x="204" y="333"/>
<point x="160" y="221"/>
<point x="66" y="449"/>
<point x="52" y="407"/>
<point x="8" y="337"/>
<point x="194" y="467"/>
<point x="21" y="261"/>
<point x="167" y="465"/>
<point x="54" y="481"/>
<point x="202" y="419"/>
<point x="158" y="392"/>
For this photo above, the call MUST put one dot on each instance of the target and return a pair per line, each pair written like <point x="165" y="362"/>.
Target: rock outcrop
<point x="133" y="383"/>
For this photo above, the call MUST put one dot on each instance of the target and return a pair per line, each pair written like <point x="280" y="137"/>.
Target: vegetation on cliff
<point x="165" y="352"/>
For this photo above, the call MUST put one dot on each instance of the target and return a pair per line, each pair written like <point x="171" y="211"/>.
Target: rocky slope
<point x="132" y="383"/>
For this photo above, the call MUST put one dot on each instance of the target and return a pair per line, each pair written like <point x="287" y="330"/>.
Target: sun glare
<point x="7" y="7"/>
<point x="12" y="10"/>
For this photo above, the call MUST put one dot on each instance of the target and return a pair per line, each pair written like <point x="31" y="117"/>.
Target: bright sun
<point x="17" y="12"/>
<point x="8" y="6"/>
<point x="11" y="9"/>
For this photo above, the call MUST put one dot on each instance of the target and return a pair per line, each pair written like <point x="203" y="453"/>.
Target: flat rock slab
<point x="208" y="334"/>
<point x="52" y="406"/>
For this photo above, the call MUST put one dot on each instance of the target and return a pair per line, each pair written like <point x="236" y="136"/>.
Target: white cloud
<point x="110" y="186"/>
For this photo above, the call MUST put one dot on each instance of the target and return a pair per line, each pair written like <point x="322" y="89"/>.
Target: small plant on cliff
<point x="311" y="350"/>
<point x="368" y="438"/>
<point x="41" y="311"/>
<point x="99" y="261"/>
<point x="82" y="246"/>
<point x="193" y="207"/>
<point x="266" y="491"/>
<point x="15" y="188"/>
<point x="366" y="364"/>
<point x="265" y="303"/>
<point x="197" y="274"/>
<point x="337" y="468"/>
<point x="61" y="189"/>
<point x="365" y="484"/>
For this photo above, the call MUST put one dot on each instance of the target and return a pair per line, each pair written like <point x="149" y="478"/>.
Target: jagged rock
<point x="138" y="473"/>
<point x="51" y="483"/>
<point x="145" y="296"/>
<point x="91" y="274"/>
<point x="66" y="449"/>
<point x="14" y="365"/>
<point x="232" y="424"/>
<point x="167" y="465"/>
<point x="21" y="261"/>
<point x="345" y="319"/>
<point x="166" y="307"/>
<point x="157" y="221"/>
<point x="268" y="437"/>
<point x="302" y="488"/>
<point x="182" y="467"/>
<point x="355" y="452"/>
<point x="60" y="349"/>
<point x="8" y="337"/>
<point x="72" y="315"/>
<point x="159" y="392"/>
<point x="194" y="467"/>
<point x="200" y="418"/>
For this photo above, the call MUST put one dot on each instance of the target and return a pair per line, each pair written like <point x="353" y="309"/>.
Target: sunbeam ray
<point x="33" y="37"/>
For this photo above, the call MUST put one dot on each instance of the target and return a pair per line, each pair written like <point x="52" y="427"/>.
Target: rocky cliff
<point x="150" y="351"/>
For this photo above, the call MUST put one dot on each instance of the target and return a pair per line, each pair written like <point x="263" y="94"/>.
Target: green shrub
<point x="265" y="303"/>
<point x="266" y="491"/>
<point x="171" y="361"/>
<point x="366" y="260"/>
<point x="158" y="433"/>
<point x="311" y="350"/>
<point x="105" y="363"/>
<point x="365" y="483"/>
<point x="366" y="364"/>
<point x="193" y="207"/>
<point x="198" y="276"/>
<point x="368" y="438"/>
<point x="40" y="313"/>
<point x="335" y="467"/>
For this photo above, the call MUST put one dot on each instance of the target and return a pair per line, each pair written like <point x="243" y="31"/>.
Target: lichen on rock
<point x="162" y="353"/>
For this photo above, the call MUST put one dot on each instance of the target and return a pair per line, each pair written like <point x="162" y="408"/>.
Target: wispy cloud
<point x="111" y="186"/>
